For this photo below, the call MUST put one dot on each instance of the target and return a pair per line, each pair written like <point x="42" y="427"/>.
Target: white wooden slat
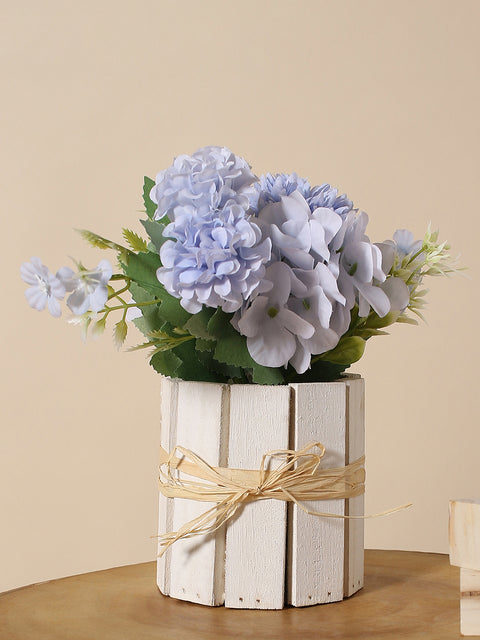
<point x="255" y="542"/>
<point x="354" y="529"/>
<point x="316" y="545"/>
<point x="168" y="409"/>
<point x="196" y="564"/>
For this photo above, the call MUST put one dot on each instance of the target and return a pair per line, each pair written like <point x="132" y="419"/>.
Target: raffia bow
<point x="296" y="478"/>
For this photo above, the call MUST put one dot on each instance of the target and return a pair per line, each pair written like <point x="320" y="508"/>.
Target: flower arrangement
<point x="244" y="279"/>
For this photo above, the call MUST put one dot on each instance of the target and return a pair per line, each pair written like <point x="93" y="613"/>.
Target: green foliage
<point x="348" y="350"/>
<point x="197" y="324"/>
<point x="103" y="243"/>
<point x="155" y="233"/>
<point x="150" y="206"/>
<point x="142" y="269"/>
<point x="134" y="240"/>
<point x="120" y="333"/>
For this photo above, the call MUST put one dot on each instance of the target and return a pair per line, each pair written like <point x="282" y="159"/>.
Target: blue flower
<point x="206" y="181"/>
<point x="271" y="188"/>
<point x="216" y="258"/>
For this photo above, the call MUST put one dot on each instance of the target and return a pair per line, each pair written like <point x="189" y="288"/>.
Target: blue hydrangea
<point x="216" y="259"/>
<point x="206" y="181"/>
<point x="271" y="188"/>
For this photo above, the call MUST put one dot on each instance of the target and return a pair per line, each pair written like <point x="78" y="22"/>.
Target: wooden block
<point x="194" y="566"/>
<point x="256" y="539"/>
<point x="464" y="533"/>
<point x="469" y="602"/>
<point x="355" y="448"/>
<point x="316" y="545"/>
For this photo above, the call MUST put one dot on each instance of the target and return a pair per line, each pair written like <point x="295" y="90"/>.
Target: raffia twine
<point x="296" y="478"/>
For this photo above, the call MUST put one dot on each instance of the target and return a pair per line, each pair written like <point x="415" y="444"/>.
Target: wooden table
<point x="407" y="595"/>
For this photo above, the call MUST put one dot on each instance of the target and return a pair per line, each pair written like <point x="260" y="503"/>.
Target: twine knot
<point x="297" y="477"/>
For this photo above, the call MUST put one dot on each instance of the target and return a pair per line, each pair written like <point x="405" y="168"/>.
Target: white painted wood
<point x="168" y="408"/>
<point x="464" y="533"/>
<point x="243" y="564"/>
<point x="355" y="448"/>
<point x="316" y="545"/>
<point x="469" y="602"/>
<point x="256" y="539"/>
<point x="196" y="564"/>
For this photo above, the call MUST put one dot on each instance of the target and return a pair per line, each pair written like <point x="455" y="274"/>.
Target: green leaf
<point x="191" y="367"/>
<point x="369" y="333"/>
<point x="375" y="322"/>
<point x="407" y="320"/>
<point x="232" y="349"/>
<point x="150" y="206"/>
<point x="120" y="333"/>
<point x="166" y="362"/>
<point x="348" y="350"/>
<point x="142" y="269"/>
<point x="219" y="324"/>
<point x="155" y="232"/>
<point x="225" y="372"/>
<point x="102" y="243"/>
<point x="197" y="325"/>
<point x="204" y="345"/>
<point x="134" y="240"/>
<point x="320" y="371"/>
<point x="267" y="375"/>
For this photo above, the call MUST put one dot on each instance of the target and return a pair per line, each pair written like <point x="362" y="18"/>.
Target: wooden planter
<point x="271" y="554"/>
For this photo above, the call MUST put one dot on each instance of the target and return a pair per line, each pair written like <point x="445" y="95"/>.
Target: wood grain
<point x="355" y="448"/>
<point x="193" y="567"/>
<point x="470" y="602"/>
<point x="464" y="533"/>
<point x="316" y="547"/>
<point x="256" y="539"/>
<point x="407" y="595"/>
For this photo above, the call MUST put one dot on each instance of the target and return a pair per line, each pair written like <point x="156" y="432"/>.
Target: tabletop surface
<point x="406" y="595"/>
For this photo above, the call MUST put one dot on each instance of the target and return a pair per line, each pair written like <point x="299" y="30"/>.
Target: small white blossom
<point x="89" y="288"/>
<point x="46" y="289"/>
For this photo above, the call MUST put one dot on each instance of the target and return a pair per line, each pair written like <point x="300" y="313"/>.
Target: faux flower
<point x="89" y="288"/>
<point x="315" y="307"/>
<point x="270" y="326"/>
<point x="46" y="289"/>
<point x="358" y="265"/>
<point x="216" y="259"/>
<point x="204" y="181"/>
<point x="271" y="188"/>
<point x="298" y="235"/>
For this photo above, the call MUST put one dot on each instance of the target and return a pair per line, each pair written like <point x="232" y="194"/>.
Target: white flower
<point x="270" y="327"/>
<point x="45" y="290"/>
<point x="359" y="267"/>
<point x="315" y="308"/>
<point x="297" y="234"/>
<point x="89" y="288"/>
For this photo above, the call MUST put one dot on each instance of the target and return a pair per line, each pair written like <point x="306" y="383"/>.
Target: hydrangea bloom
<point x="297" y="234"/>
<point x="89" y="288"/>
<point x="46" y="289"/>
<point x="205" y="181"/>
<point x="270" y="326"/>
<point x="271" y="188"/>
<point x="216" y="259"/>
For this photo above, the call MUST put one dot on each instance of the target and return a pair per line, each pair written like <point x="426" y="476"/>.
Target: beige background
<point x="380" y="98"/>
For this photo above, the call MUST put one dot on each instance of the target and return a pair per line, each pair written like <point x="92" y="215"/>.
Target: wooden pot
<point x="271" y="554"/>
